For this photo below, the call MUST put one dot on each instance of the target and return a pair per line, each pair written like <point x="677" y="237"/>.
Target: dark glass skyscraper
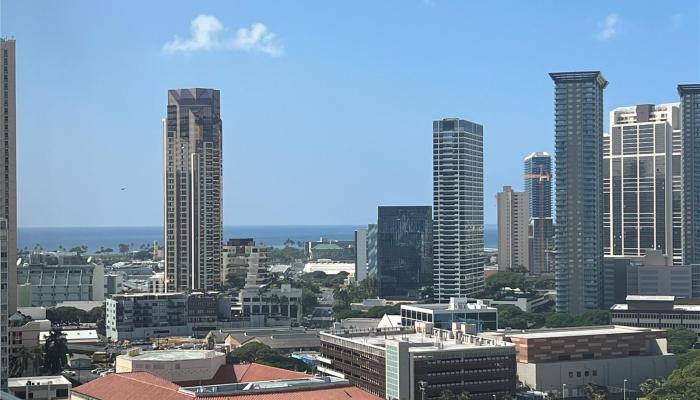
<point x="193" y="198"/>
<point x="537" y="176"/>
<point x="458" y="208"/>
<point x="578" y="108"/>
<point x="690" y="166"/>
<point x="404" y="251"/>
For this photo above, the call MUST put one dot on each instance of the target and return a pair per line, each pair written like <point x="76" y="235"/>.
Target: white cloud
<point x="257" y="38"/>
<point x="676" y="21"/>
<point x="205" y="30"/>
<point x="608" y="28"/>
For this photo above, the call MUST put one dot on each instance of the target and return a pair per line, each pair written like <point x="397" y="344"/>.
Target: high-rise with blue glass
<point x="458" y="209"/>
<point x="578" y="122"/>
<point x="537" y="176"/>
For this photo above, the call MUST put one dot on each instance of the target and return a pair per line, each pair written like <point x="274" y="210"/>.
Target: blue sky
<point x="327" y="106"/>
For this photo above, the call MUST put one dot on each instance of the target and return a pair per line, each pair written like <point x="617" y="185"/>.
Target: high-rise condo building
<point x="642" y="182"/>
<point x="458" y="208"/>
<point x="537" y="176"/>
<point x="372" y="251"/>
<point x="404" y="251"/>
<point x="513" y="223"/>
<point x="8" y="197"/>
<point x="193" y="197"/>
<point x="690" y="170"/>
<point x="578" y="108"/>
<point x="360" y="255"/>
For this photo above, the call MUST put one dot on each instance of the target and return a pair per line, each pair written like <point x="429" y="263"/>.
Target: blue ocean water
<point x="111" y="237"/>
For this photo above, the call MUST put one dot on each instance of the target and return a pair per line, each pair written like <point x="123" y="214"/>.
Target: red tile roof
<point x="147" y="386"/>
<point x="338" y="393"/>
<point x="240" y="373"/>
<point x="131" y="385"/>
<point x="258" y="372"/>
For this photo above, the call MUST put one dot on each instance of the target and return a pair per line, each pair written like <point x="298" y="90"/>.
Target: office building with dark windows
<point x="458" y="208"/>
<point x="578" y="108"/>
<point x="404" y="251"/>
<point x="420" y="362"/>
<point x="473" y="312"/>
<point x="193" y="197"/>
<point x="537" y="176"/>
<point x="690" y="171"/>
<point x="642" y="182"/>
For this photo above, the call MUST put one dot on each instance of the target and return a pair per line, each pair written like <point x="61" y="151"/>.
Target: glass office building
<point x="537" y="181"/>
<point x="404" y="251"/>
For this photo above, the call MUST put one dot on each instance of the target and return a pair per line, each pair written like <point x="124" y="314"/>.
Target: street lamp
<point x="563" y="391"/>
<point x="423" y="385"/>
<point x="624" y="389"/>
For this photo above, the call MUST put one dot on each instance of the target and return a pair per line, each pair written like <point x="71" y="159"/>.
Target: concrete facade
<point x="579" y="189"/>
<point x="458" y="208"/>
<point x="513" y="222"/>
<point x="173" y="365"/>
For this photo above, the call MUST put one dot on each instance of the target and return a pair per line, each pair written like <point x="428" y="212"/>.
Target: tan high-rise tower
<point x="193" y="190"/>
<point x="513" y="221"/>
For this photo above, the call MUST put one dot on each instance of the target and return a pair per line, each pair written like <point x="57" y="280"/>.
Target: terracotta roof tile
<point x="257" y="372"/>
<point x="147" y="386"/>
<point x="131" y="385"/>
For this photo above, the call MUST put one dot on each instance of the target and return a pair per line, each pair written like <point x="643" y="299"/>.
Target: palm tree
<point x="56" y="351"/>
<point x="19" y="361"/>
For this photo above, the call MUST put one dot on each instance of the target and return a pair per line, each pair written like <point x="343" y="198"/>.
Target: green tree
<point x="680" y="339"/>
<point x="123" y="248"/>
<point x="447" y="395"/>
<point x="464" y="396"/>
<point x="649" y="385"/>
<point x="235" y="280"/>
<point x="595" y="392"/>
<point x="308" y="301"/>
<point x="19" y="361"/>
<point x="56" y="351"/>
<point x="262" y="354"/>
<point x="504" y="279"/>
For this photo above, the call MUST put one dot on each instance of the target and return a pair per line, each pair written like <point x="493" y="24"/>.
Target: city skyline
<point x="264" y="77"/>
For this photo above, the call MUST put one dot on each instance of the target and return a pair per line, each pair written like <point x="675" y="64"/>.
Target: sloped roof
<point x="147" y="386"/>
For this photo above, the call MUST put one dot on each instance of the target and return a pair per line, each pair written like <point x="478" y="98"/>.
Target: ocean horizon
<point x="94" y="238"/>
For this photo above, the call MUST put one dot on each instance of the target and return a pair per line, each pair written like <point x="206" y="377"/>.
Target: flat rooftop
<point x="575" y="332"/>
<point x="635" y="297"/>
<point x="676" y="307"/>
<point x="428" y="342"/>
<point x="37" y="380"/>
<point x="173" y="355"/>
<point x="310" y="383"/>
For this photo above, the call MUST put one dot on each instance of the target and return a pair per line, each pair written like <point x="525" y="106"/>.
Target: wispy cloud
<point x="676" y="21"/>
<point x="608" y="27"/>
<point x="205" y="35"/>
